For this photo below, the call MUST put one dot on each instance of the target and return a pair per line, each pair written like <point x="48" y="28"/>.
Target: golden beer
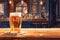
<point x="15" y="22"/>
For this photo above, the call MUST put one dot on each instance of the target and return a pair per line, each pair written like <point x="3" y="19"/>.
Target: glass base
<point x="12" y="33"/>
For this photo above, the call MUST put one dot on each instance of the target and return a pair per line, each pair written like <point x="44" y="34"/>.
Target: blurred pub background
<point x="35" y="13"/>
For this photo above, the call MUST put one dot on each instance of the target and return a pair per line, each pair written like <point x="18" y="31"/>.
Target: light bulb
<point x="22" y="1"/>
<point x="10" y="2"/>
<point x="41" y="2"/>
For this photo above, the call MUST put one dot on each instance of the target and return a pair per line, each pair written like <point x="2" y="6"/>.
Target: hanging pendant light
<point x="22" y="1"/>
<point x="10" y="2"/>
<point x="41" y="2"/>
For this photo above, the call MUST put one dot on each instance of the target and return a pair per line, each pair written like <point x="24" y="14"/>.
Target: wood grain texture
<point x="32" y="32"/>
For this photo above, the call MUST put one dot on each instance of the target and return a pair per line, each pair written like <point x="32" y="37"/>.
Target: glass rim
<point x="15" y="14"/>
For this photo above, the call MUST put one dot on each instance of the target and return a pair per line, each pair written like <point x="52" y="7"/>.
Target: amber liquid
<point x="15" y="23"/>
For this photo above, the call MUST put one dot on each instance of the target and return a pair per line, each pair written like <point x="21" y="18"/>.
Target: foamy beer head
<point x="15" y="14"/>
<point x="15" y="21"/>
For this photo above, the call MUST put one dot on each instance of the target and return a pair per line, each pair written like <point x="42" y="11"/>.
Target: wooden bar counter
<point x="33" y="32"/>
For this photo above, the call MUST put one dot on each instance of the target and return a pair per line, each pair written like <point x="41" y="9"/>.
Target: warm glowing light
<point x="41" y="34"/>
<point x="22" y="1"/>
<point x="41" y="2"/>
<point x="10" y="2"/>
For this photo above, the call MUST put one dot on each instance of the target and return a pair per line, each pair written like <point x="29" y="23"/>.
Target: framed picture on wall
<point x="3" y="9"/>
<point x="34" y="9"/>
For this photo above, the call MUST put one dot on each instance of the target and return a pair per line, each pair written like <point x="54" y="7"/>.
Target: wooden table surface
<point x="33" y="32"/>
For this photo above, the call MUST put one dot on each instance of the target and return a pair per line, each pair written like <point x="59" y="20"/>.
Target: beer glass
<point x="15" y="21"/>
